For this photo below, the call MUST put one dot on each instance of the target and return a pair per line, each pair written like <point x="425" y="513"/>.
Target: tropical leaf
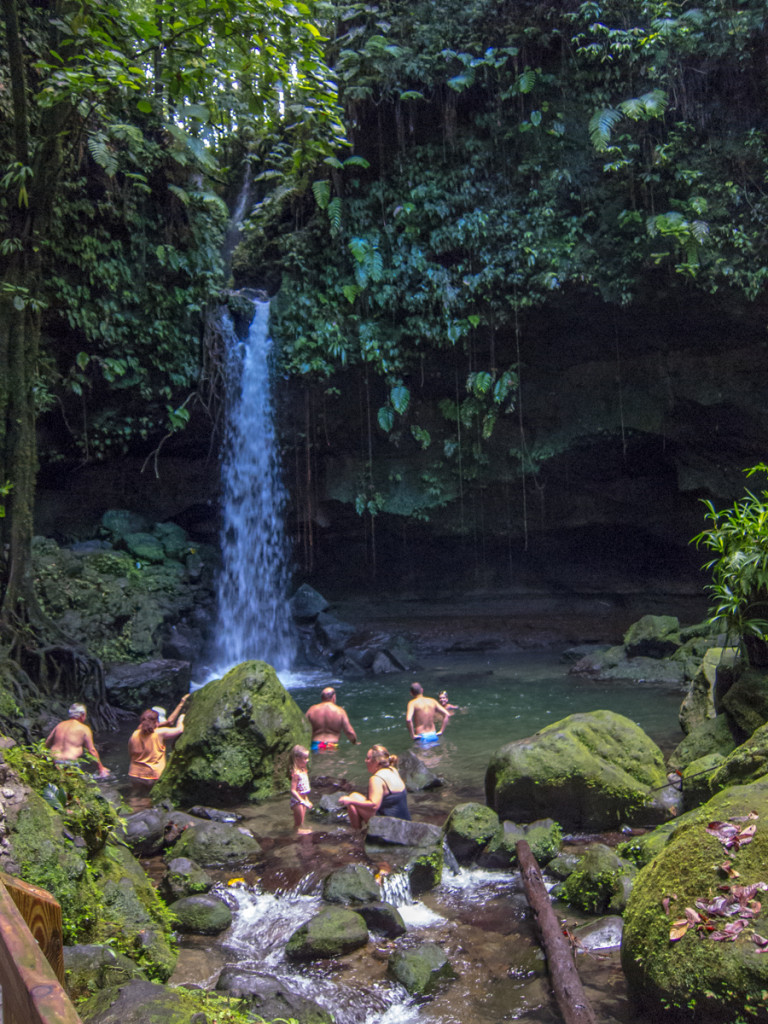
<point x="321" y="190"/>
<point x="386" y="417"/>
<point x="334" y="214"/>
<point x="526" y="81"/>
<point x="601" y="126"/>
<point x="102" y="154"/>
<point x="400" y="398"/>
<point x="180" y="193"/>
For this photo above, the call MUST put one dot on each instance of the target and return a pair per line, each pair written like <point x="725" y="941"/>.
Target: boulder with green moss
<point x="714" y="676"/>
<point x="600" y="883"/>
<point x="333" y="932"/>
<point x="353" y="883"/>
<point x="201" y="914"/>
<point x="712" y="736"/>
<point x="746" y="763"/>
<point x="88" y="968"/>
<point x="141" y="1002"/>
<point x="469" y="828"/>
<point x="746" y="702"/>
<point x="238" y="735"/>
<point x="421" y="969"/>
<point x="543" y="837"/>
<point x="653" y="636"/>
<point x="214" y="844"/>
<point x="67" y="842"/>
<point x="696" y="781"/>
<point x="588" y="771"/>
<point x="701" y="964"/>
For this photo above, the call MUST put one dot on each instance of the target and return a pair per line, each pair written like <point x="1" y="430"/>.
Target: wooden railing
<point x="31" y="957"/>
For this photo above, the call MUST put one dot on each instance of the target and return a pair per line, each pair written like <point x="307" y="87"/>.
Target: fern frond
<point x="526" y="81"/>
<point x="334" y="214"/>
<point x="321" y="190"/>
<point x="180" y="193"/>
<point x="601" y="125"/>
<point x="102" y="154"/>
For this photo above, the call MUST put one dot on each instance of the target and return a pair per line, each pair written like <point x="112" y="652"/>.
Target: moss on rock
<point x="697" y="978"/>
<point x="238" y="735"/>
<point x="590" y="770"/>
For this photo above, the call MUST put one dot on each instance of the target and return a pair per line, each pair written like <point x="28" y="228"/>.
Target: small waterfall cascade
<point x="253" y="617"/>
<point x="396" y="889"/>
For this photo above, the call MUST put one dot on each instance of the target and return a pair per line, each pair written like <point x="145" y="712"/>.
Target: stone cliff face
<point x="628" y="417"/>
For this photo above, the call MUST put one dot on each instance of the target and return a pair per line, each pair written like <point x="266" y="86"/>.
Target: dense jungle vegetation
<point x="425" y="178"/>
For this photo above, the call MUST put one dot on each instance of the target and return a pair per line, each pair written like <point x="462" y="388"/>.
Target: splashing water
<point x="253" y="617"/>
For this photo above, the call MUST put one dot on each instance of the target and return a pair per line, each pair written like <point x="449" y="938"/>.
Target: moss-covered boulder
<point x="713" y="677"/>
<point x="600" y="883"/>
<point x="543" y="837"/>
<point x="593" y="770"/>
<point x="354" y="883"/>
<point x="141" y="1002"/>
<point x="653" y="636"/>
<point x="214" y="844"/>
<point x="697" y="977"/>
<point x="746" y="702"/>
<point x="696" y="781"/>
<point x="333" y="932"/>
<point x="469" y="828"/>
<point x="238" y="735"/>
<point x="269" y="997"/>
<point x="88" y="968"/>
<point x="184" y="878"/>
<point x="201" y="915"/>
<point x="746" y="763"/>
<point x="384" y="918"/>
<point x="713" y="736"/>
<point x="420" y="970"/>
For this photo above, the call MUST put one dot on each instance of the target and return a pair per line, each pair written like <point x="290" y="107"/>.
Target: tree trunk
<point x="562" y="970"/>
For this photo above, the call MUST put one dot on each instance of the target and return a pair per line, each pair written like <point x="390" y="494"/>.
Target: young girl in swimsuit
<point x="386" y="791"/>
<point x="300" y="787"/>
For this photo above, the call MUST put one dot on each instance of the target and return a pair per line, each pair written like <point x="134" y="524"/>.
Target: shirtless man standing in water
<point x="328" y="721"/>
<point x="67" y="741"/>
<point x="420" y="716"/>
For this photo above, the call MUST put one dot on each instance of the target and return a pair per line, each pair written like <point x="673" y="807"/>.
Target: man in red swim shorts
<point x="328" y="721"/>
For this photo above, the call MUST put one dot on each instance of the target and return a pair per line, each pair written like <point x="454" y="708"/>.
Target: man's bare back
<point x="329" y="721"/>
<point x="70" y="738"/>
<point x="421" y="712"/>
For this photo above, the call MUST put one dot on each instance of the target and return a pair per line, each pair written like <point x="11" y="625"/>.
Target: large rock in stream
<point x="692" y="934"/>
<point x="238" y="735"/>
<point x="589" y="771"/>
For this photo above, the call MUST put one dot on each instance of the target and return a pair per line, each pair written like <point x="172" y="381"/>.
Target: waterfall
<point x="253" y="617"/>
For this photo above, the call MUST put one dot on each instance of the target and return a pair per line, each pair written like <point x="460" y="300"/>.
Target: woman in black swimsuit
<point x="386" y="791"/>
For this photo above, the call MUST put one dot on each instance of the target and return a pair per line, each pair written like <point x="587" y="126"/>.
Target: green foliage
<point x="738" y="537"/>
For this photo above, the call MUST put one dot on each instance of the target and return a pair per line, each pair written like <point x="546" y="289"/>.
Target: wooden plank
<point x="43" y="916"/>
<point x="566" y="982"/>
<point x="32" y="993"/>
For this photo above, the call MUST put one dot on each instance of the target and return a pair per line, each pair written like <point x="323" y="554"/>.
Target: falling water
<point x="253" y="618"/>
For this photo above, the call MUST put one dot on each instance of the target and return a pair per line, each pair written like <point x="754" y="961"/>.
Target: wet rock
<point x="148" y="832"/>
<point x="696" y="779"/>
<point x="746" y="763"/>
<point x="384" y="918"/>
<point x="144" y="547"/>
<point x="420" y="970"/>
<point x="89" y="967"/>
<point x="306" y="604"/>
<point x="136" y="1003"/>
<point x="415" y="773"/>
<point x="215" y="844"/>
<point x="354" y="883"/>
<point x="543" y="837"/>
<point x="183" y="642"/>
<point x="400" y="832"/>
<point x="604" y="933"/>
<point x="563" y="865"/>
<point x="238" y="735"/>
<point x="600" y="882"/>
<point x="588" y="771"/>
<point x="332" y="633"/>
<point x="469" y="828"/>
<point x="214" y="814"/>
<point x="137" y="687"/>
<point x="201" y="915"/>
<point x="184" y="878"/>
<point x="653" y="636"/>
<point x="118" y="522"/>
<point x="269" y="996"/>
<point x="333" y="932"/>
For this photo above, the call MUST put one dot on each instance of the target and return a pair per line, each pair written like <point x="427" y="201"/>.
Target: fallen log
<point x="566" y="984"/>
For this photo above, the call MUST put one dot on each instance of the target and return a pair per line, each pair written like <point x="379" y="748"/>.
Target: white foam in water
<point x="263" y="922"/>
